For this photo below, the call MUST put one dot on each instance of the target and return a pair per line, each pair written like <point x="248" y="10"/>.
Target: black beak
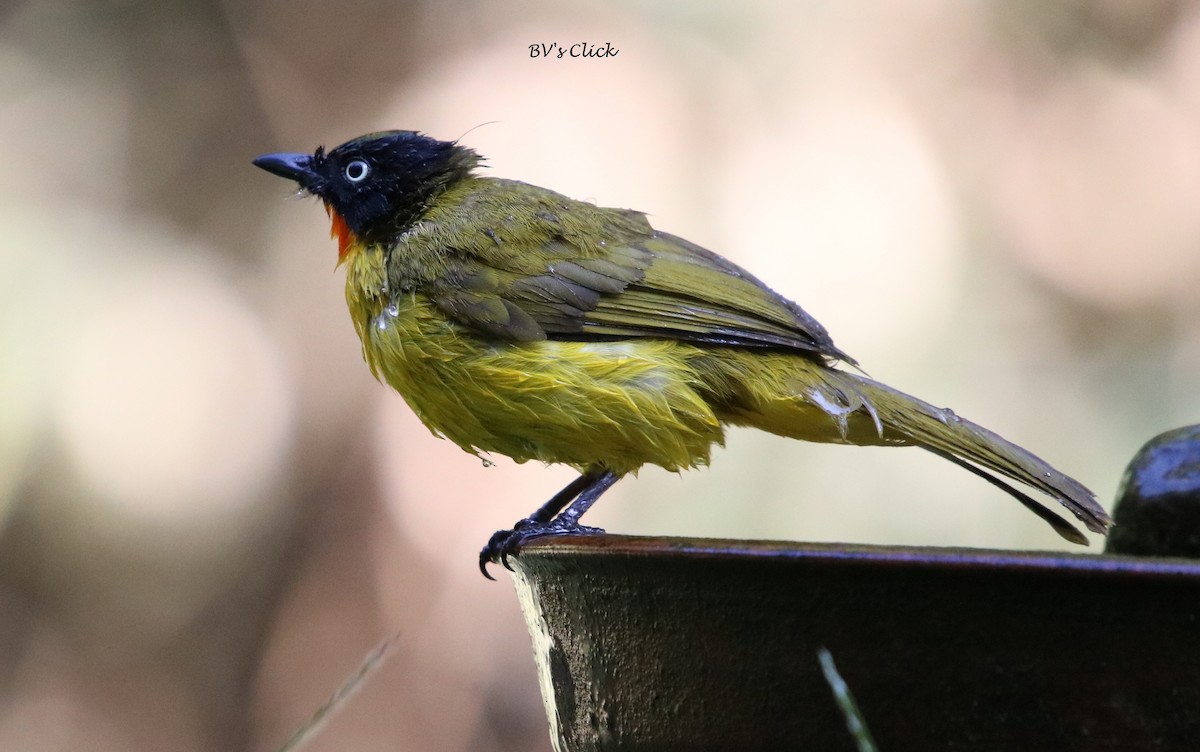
<point x="296" y="167"/>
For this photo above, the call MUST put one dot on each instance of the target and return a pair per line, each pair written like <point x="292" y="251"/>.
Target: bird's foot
<point x="506" y="543"/>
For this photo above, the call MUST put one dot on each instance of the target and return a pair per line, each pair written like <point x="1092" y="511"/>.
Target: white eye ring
<point x="357" y="171"/>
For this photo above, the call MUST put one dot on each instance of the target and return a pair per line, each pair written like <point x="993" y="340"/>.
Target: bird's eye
<point x="356" y="171"/>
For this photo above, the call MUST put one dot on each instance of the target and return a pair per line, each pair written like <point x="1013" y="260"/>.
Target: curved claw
<point x="504" y="552"/>
<point x="495" y="549"/>
<point x="507" y="543"/>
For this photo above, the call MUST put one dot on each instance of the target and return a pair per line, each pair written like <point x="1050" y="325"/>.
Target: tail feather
<point x="1061" y="526"/>
<point x="977" y="449"/>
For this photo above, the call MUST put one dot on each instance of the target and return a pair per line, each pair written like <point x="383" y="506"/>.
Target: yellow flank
<point x="790" y="395"/>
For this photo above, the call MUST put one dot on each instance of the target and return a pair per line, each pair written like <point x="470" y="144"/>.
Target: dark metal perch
<point x="668" y="643"/>
<point x="660" y="643"/>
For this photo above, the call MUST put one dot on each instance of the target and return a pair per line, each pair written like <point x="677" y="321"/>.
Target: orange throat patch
<point x="345" y="236"/>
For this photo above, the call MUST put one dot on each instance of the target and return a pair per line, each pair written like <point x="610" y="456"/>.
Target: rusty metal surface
<point x="664" y="643"/>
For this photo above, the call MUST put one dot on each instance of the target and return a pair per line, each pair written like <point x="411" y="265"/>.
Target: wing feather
<point x="582" y="272"/>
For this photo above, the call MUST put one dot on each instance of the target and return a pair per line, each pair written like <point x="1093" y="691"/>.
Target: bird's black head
<point x="380" y="183"/>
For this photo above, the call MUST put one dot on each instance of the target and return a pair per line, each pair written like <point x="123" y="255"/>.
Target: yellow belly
<point x="618" y="404"/>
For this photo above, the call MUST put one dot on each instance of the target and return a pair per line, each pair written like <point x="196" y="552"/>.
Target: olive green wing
<point x="688" y="292"/>
<point x="656" y="286"/>
<point x="503" y="296"/>
<point x="521" y="263"/>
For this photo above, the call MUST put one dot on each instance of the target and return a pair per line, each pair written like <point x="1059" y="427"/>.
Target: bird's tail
<point x="975" y="448"/>
<point x="829" y="405"/>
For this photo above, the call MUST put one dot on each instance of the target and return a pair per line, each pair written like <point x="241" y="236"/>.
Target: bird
<point x="514" y="320"/>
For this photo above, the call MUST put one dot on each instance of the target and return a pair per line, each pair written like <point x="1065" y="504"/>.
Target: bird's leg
<point x="547" y="511"/>
<point x="569" y="518"/>
<point x="550" y="518"/>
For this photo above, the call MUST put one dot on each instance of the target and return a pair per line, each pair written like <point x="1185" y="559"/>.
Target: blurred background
<point x="210" y="512"/>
